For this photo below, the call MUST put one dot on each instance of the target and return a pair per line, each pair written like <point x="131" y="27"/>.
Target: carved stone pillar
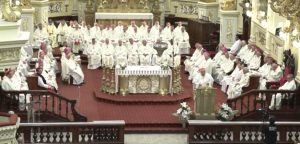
<point x="228" y="27"/>
<point x="41" y="11"/>
<point x="28" y="21"/>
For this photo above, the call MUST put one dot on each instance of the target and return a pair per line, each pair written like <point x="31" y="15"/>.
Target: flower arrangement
<point x="225" y="113"/>
<point x="164" y="65"/>
<point x="184" y="112"/>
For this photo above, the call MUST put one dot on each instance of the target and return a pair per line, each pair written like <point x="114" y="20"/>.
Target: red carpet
<point x="137" y="116"/>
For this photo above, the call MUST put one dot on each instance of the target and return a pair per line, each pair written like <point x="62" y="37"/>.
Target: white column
<point x="228" y="27"/>
<point x="41" y="11"/>
<point x="28" y="21"/>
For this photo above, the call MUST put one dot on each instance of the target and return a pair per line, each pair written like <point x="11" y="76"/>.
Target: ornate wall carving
<point x="9" y="55"/>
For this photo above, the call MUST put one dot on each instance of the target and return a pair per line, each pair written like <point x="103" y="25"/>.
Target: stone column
<point x="75" y="8"/>
<point x="228" y="27"/>
<point x="41" y="11"/>
<point x="28" y="21"/>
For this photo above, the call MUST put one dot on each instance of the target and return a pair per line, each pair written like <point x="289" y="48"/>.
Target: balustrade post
<point x="75" y="134"/>
<point x="236" y="133"/>
<point x="26" y="134"/>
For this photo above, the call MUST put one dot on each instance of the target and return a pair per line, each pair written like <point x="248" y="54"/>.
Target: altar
<point x="143" y="79"/>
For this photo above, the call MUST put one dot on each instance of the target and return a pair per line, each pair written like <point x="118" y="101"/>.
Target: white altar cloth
<point x="142" y="71"/>
<point x="115" y="16"/>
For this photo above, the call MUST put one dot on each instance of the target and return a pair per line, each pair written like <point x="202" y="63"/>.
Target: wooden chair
<point x="253" y="83"/>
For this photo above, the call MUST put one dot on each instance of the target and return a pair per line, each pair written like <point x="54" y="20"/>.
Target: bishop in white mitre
<point x="62" y="32"/>
<point x="108" y="54"/>
<point x="276" y="98"/>
<point x="235" y="89"/>
<point x="40" y="35"/>
<point x="94" y="55"/>
<point x="202" y="79"/>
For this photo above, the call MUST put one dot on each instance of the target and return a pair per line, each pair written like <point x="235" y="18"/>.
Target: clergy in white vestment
<point x="40" y="35"/>
<point x="94" y="30"/>
<point x="276" y="98"/>
<point x="244" y="49"/>
<point x="235" y="89"/>
<point x="190" y="61"/>
<point x="121" y="54"/>
<point x="202" y="79"/>
<point x="20" y="80"/>
<point x="76" y="39"/>
<point x="134" y="35"/>
<point x="255" y="61"/>
<point x="131" y="27"/>
<point x="51" y="29"/>
<point x="274" y="75"/>
<point x="181" y="36"/>
<point x="94" y="55"/>
<point x="143" y="29"/>
<point x="266" y="68"/>
<point x="119" y="30"/>
<point x="225" y="67"/>
<point x="145" y="53"/>
<point x="74" y="69"/>
<point x="62" y="32"/>
<point x="83" y="27"/>
<point x="99" y="34"/>
<point x="166" y="33"/>
<point x="154" y="32"/>
<point x="236" y="45"/>
<point x="206" y="63"/>
<point x="178" y="28"/>
<point x="48" y="70"/>
<point x="219" y="55"/>
<point x="131" y="46"/>
<point x="108" y="52"/>
<point x="64" y="69"/>
<point x="250" y="53"/>
<point x="234" y="77"/>
<point x="133" y="56"/>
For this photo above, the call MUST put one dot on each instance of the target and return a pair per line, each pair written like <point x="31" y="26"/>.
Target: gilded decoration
<point x="228" y="5"/>
<point x="9" y="55"/>
<point x="131" y="6"/>
<point x="24" y="24"/>
<point x="190" y="9"/>
<point x="26" y="4"/>
<point x="143" y="84"/>
<point x="10" y="13"/>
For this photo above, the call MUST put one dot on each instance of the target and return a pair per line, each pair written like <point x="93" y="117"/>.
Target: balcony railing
<point x="218" y="132"/>
<point x="100" y="132"/>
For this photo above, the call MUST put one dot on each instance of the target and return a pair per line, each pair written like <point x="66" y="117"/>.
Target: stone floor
<point x="155" y="138"/>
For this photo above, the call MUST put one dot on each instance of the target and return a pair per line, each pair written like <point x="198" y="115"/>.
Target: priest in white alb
<point x="236" y="45"/>
<point x="190" y="61"/>
<point x="202" y="79"/>
<point x="76" y="39"/>
<point x="62" y="32"/>
<point x="74" y="69"/>
<point x="94" y="55"/>
<point x="277" y="98"/>
<point x="51" y="29"/>
<point x="235" y="89"/>
<point x="40" y="35"/>
<point x="108" y="52"/>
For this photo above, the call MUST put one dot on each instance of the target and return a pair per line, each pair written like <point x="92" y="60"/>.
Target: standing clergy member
<point x="40" y="35"/>
<point x="74" y="69"/>
<point x="94" y="55"/>
<point x="62" y="32"/>
<point x="202" y="79"/>
<point x="76" y="39"/>
<point x="51" y="29"/>
<point x="276" y="98"/>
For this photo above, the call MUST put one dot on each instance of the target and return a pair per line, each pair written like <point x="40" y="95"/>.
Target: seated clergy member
<point x="202" y="79"/>
<point x="40" y="35"/>
<point x="42" y="81"/>
<point x="234" y="77"/>
<point x="255" y="60"/>
<point x="94" y="55"/>
<point x="205" y="63"/>
<point x="235" y="89"/>
<point x="74" y="69"/>
<point x="120" y="53"/>
<point x="7" y="83"/>
<point x="189" y="62"/>
<point x="276" y="98"/>
<point x="226" y="66"/>
<point x="237" y="44"/>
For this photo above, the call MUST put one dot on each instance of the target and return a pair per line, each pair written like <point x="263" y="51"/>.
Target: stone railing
<point x="217" y="132"/>
<point x="100" y="132"/>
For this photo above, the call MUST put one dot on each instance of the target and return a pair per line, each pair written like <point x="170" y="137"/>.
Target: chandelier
<point x="289" y="9"/>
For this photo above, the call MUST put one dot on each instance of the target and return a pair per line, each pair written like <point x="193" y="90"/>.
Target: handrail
<point x="100" y="132"/>
<point x="218" y="132"/>
<point x="248" y="102"/>
<point x="50" y="104"/>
